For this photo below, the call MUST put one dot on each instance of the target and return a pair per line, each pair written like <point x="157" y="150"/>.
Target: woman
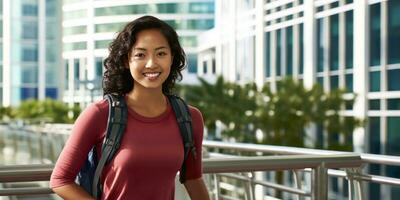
<point x="144" y="62"/>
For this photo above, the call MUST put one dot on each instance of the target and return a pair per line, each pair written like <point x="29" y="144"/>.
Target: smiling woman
<point x="144" y="62"/>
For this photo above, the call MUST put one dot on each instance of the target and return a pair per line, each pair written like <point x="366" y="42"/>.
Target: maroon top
<point x="150" y="155"/>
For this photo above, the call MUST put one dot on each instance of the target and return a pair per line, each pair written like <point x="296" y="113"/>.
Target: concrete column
<point x="42" y="50"/>
<point x="309" y="75"/>
<point x="309" y="38"/>
<point x="361" y="46"/>
<point x="259" y="45"/>
<point x="232" y="43"/>
<point x="6" y="53"/>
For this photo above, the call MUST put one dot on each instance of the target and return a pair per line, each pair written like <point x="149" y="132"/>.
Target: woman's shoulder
<point x="98" y="107"/>
<point x="195" y="113"/>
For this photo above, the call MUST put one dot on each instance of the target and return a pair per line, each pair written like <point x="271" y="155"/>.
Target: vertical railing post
<point x="355" y="189"/>
<point x="216" y="185"/>
<point x="319" y="183"/>
<point x="297" y="182"/>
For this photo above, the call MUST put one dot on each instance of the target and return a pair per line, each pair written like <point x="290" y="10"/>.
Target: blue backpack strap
<point x="116" y="124"/>
<point x="184" y="120"/>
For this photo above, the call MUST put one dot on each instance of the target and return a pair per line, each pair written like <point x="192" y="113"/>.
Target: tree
<point x="281" y="116"/>
<point x="48" y="110"/>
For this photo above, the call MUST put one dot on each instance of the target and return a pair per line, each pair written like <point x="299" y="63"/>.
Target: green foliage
<point x="281" y="115"/>
<point x="48" y="110"/>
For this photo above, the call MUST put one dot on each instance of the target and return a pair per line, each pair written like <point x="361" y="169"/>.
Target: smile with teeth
<point x="152" y="75"/>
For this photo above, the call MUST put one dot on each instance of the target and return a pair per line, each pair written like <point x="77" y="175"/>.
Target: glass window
<point x="393" y="79"/>
<point x="349" y="39"/>
<point x="99" y="67"/>
<point x="267" y="54"/>
<point x="204" y="67"/>
<point x="394" y="32"/>
<point x="374" y="125"/>
<point x="192" y="63"/>
<point x="30" y="10"/>
<point x="334" y="42"/>
<point x="278" y="52"/>
<point x="320" y="81"/>
<point x="320" y="45"/>
<point x="375" y="104"/>
<point x="374" y="135"/>
<point x="74" y="30"/>
<point x="289" y="51"/>
<point x="1" y="28"/>
<point x="74" y="46"/>
<point x="202" y="24"/>
<point x="29" y="30"/>
<point x="30" y="75"/>
<point x="52" y="30"/>
<point x="124" y="10"/>
<point x="1" y="53"/>
<point x="301" y="50"/>
<point x="51" y="52"/>
<point x="375" y="35"/>
<point x="393" y="104"/>
<point x="201" y="7"/>
<point x="29" y="54"/>
<point x="334" y="82"/>
<point x="51" y="8"/>
<point x="102" y="44"/>
<point x="29" y="93"/>
<point x="113" y="27"/>
<point x="51" y="75"/>
<point x="393" y="148"/>
<point x="349" y="82"/>
<point x="213" y="67"/>
<point x="66" y="74"/>
<point x="76" y="69"/>
<point x="52" y="93"/>
<point x="374" y="81"/>
<point x="75" y="14"/>
<point x="188" y="41"/>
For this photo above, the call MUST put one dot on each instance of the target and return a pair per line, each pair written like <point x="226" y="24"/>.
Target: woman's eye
<point x="162" y="54"/>
<point x="139" y="55"/>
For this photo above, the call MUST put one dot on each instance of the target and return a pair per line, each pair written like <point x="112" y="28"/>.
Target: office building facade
<point x="336" y="43"/>
<point x="90" y="25"/>
<point x="30" y="50"/>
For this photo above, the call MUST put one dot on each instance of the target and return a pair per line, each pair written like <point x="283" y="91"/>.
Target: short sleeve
<point x="194" y="168"/>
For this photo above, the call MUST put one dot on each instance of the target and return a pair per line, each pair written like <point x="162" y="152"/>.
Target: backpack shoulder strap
<point x="117" y="119"/>
<point x="184" y="120"/>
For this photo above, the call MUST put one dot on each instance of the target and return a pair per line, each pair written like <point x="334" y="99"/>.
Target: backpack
<point x="89" y="175"/>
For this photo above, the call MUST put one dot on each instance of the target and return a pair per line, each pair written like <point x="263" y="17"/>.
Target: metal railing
<point x="355" y="176"/>
<point x="318" y="164"/>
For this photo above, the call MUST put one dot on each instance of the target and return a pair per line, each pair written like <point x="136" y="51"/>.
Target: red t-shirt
<point x="150" y="155"/>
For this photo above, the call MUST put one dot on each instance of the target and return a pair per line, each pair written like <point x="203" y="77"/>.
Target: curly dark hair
<point x="117" y="78"/>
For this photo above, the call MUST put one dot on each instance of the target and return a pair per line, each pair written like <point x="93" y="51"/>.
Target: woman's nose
<point x="150" y="63"/>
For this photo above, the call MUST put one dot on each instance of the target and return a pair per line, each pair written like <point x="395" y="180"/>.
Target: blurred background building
<point x="338" y="44"/>
<point x="30" y="50"/>
<point x="90" y="25"/>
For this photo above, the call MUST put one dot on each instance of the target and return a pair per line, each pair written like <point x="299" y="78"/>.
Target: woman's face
<point x="150" y="59"/>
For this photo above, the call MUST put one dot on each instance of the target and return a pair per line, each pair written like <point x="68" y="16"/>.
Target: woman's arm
<point x="71" y="192"/>
<point x="197" y="189"/>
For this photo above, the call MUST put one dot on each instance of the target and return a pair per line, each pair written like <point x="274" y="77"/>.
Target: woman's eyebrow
<point x="144" y="49"/>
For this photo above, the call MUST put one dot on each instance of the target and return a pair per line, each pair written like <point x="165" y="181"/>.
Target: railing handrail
<point x="23" y="173"/>
<point x="286" y="150"/>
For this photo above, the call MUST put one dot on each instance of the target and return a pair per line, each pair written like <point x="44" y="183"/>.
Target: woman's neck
<point x="148" y="103"/>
